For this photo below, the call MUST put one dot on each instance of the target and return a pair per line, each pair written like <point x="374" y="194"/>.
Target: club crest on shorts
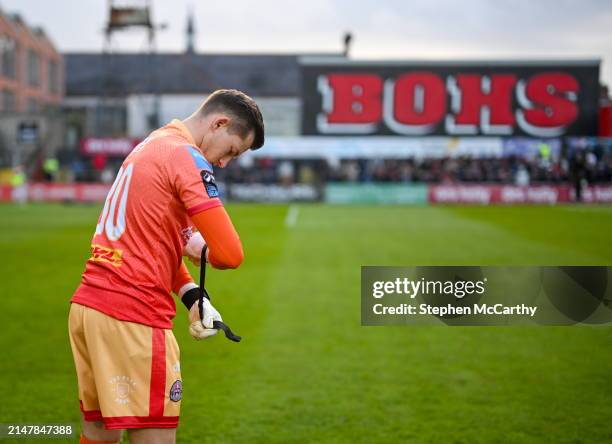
<point x="176" y="391"/>
<point x="122" y="387"/>
<point x="209" y="183"/>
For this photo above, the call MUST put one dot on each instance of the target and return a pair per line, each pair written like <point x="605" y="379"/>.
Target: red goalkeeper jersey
<point x="136" y="251"/>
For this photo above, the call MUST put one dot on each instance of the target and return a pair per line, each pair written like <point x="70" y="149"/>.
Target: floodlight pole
<point x="132" y="15"/>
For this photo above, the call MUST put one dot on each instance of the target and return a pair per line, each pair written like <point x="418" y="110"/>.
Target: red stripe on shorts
<point x="141" y="422"/>
<point x="90" y="415"/>
<point x="158" y="374"/>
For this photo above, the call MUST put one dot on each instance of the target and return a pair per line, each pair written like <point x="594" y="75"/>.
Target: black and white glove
<point x="201" y="326"/>
<point x="204" y="319"/>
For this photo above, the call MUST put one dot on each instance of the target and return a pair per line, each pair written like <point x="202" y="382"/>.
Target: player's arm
<point x="183" y="281"/>
<point x="224" y="245"/>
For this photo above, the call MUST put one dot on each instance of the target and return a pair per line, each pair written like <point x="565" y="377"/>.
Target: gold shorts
<point x="129" y="374"/>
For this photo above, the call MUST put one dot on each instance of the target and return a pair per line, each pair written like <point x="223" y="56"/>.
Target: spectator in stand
<point x="20" y="185"/>
<point x="50" y="167"/>
<point x="578" y="169"/>
<point x="522" y="176"/>
<point x="285" y="172"/>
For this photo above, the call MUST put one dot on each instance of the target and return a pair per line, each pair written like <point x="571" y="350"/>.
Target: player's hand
<point x="193" y="248"/>
<point x="203" y="328"/>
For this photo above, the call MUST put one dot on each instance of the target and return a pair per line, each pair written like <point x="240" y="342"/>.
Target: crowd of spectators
<point x="592" y="166"/>
<point x="503" y="170"/>
<point x="463" y="169"/>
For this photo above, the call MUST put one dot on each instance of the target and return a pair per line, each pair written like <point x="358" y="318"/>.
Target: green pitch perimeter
<point x="306" y="370"/>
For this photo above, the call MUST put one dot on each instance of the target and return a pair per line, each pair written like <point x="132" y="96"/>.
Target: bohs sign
<point x="504" y="98"/>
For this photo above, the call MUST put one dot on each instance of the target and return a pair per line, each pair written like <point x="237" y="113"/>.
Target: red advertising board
<point x="482" y="194"/>
<point x="91" y="192"/>
<point x="511" y="194"/>
<point x="110" y="146"/>
<point x="44" y="192"/>
<point x="6" y="193"/>
<point x="605" y="121"/>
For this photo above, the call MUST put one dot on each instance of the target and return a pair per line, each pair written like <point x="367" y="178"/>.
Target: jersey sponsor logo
<point x="176" y="391"/>
<point x="100" y="253"/>
<point x="209" y="184"/>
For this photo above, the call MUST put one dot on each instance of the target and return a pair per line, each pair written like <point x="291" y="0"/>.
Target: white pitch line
<point x="292" y="216"/>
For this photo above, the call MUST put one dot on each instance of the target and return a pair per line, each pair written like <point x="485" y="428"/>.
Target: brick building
<point x="31" y="91"/>
<point x="31" y="74"/>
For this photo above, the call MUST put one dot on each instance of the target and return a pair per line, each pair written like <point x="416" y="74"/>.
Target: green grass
<point x="306" y="370"/>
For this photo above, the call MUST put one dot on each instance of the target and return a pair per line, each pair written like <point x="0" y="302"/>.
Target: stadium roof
<point x="543" y="61"/>
<point x="260" y="75"/>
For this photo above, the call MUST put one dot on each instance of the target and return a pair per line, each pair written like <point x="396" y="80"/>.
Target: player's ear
<point x="221" y="121"/>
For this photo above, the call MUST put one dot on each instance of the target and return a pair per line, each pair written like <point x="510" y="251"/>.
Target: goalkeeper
<point x="163" y="205"/>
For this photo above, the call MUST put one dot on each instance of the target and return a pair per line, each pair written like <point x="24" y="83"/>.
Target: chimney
<point x="348" y="37"/>
<point x="190" y="31"/>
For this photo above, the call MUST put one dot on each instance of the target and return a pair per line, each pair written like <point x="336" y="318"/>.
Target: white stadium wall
<point x="282" y="115"/>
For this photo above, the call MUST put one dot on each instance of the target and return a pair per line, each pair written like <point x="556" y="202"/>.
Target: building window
<point x="32" y="105"/>
<point x="33" y="68"/>
<point x="53" y="77"/>
<point x="109" y="120"/>
<point x="8" y="100"/>
<point x="8" y="49"/>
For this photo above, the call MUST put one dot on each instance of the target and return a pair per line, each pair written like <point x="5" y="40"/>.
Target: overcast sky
<point x="387" y="29"/>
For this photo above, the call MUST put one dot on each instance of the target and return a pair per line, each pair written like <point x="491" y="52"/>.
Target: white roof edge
<point x="307" y="60"/>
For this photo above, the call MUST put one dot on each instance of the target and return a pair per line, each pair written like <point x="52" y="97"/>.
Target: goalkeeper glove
<point x="204" y="319"/>
<point x="200" y="326"/>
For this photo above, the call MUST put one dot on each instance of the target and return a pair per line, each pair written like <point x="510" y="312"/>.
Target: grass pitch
<point x="306" y="370"/>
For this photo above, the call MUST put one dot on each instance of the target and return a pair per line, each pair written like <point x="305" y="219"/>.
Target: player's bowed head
<point x="226" y="125"/>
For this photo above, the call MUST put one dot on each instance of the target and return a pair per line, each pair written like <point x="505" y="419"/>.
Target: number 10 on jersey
<point x="112" y="219"/>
